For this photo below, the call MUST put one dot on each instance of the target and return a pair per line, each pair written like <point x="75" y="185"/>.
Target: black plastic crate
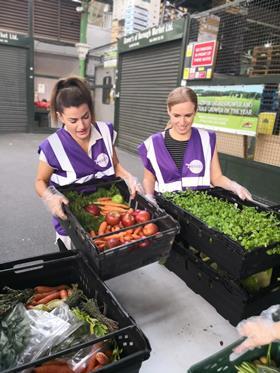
<point x="228" y="254"/>
<point x="221" y="362"/>
<point x="70" y="267"/>
<point x="229" y="298"/>
<point x="128" y="256"/>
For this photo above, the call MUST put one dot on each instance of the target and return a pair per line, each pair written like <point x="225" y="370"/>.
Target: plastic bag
<point x="14" y="336"/>
<point x="48" y="329"/>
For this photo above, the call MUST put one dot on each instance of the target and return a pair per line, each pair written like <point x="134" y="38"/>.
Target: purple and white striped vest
<point x="195" y="173"/>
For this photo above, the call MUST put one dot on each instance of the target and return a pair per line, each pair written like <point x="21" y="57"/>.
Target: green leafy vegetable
<point x="247" y="226"/>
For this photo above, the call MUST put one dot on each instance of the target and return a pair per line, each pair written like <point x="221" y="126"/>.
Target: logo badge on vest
<point x="102" y="160"/>
<point x="196" y="166"/>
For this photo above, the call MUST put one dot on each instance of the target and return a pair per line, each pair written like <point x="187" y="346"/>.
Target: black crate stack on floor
<point x="215" y="266"/>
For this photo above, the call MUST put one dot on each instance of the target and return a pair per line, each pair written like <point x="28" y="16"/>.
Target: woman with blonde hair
<point x="182" y="156"/>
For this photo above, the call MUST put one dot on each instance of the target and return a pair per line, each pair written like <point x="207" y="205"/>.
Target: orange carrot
<point x="107" y="203"/>
<point x="137" y="230"/>
<point x="50" y="297"/>
<point x="101" y="199"/>
<point x="40" y="296"/>
<point x="63" y="294"/>
<point x="116" y="235"/>
<point x="102" y="228"/>
<point x="91" y="363"/>
<point x="47" y="289"/>
<point x="99" y="366"/>
<point x="102" y="358"/>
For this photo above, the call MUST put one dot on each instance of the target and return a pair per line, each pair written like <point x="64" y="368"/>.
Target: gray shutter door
<point x="147" y="76"/>
<point x="13" y="94"/>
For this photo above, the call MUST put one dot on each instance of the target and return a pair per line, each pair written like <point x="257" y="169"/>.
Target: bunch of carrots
<point x="125" y="236"/>
<point x="106" y="205"/>
<point x="45" y="294"/>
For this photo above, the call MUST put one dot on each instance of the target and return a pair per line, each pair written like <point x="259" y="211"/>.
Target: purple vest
<point x="72" y="164"/>
<point x="195" y="173"/>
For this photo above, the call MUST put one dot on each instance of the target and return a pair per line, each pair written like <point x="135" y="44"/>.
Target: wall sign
<point x="232" y="109"/>
<point x="199" y="60"/>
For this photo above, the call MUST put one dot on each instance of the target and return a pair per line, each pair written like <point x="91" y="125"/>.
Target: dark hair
<point x="180" y="95"/>
<point x="67" y="92"/>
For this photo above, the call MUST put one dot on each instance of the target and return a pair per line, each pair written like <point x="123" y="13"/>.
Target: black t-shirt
<point x="176" y="149"/>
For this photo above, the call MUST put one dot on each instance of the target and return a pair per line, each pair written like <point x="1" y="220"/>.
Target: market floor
<point x="180" y="325"/>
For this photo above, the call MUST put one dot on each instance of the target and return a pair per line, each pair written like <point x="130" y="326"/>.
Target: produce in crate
<point x="246" y="225"/>
<point x="109" y="216"/>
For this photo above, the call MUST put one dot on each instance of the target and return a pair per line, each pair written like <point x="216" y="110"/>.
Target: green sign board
<point x="232" y="109"/>
<point x="13" y="38"/>
<point x="154" y="35"/>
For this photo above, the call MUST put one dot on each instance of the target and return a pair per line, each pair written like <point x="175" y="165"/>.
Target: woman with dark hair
<point x="182" y="156"/>
<point x="79" y="151"/>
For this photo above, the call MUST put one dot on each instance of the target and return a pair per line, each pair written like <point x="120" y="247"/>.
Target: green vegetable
<point x="117" y="198"/>
<point x="14" y="336"/>
<point x="10" y="297"/>
<point x="257" y="281"/>
<point x="247" y="226"/>
<point x="95" y="326"/>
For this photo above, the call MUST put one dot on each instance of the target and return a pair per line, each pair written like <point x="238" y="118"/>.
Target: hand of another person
<point x="53" y="199"/>
<point x="242" y="192"/>
<point x="134" y="186"/>
<point x="151" y="198"/>
<point x="258" y="330"/>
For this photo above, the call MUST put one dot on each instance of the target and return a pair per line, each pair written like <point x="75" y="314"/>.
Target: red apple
<point x="150" y="229"/>
<point x="93" y="209"/>
<point x="142" y="216"/>
<point x="128" y="220"/>
<point x="113" y="218"/>
<point x="113" y="242"/>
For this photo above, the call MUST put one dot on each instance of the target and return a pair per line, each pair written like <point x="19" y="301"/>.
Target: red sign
<point x="203" y="54"/>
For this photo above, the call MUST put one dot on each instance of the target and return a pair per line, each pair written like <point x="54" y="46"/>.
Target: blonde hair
<point x="180" y="95"/>
<point x="67" y="92"/>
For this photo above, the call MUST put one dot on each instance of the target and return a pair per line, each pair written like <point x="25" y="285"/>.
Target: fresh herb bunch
<point x="249" y="227"/>
<point x="79" y="201"/>
<point x="10" y="297"/>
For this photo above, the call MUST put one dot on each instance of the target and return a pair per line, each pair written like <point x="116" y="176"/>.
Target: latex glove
<point x="238" y="189"/>
<point x="151" y="198"/>
<point x="53" y="199"/>
<point x="134" y="185"/>
<point x="258" y="330"/>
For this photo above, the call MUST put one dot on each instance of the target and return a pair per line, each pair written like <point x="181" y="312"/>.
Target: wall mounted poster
<point x="232" y="109"/>
<point x="199" y="60"/>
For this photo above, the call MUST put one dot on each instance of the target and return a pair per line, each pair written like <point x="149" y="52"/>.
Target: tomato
<point x="142" y="216"/>
<point x="113" y="218"/>
<point x="117" y="198"/>
<point x="113" y="242"/>
<point x="150" y="229"/>
<point x="128" y="220"/>
<point x="93" y="209"/>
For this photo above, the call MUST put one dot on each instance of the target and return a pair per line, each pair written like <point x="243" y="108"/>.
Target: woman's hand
<point x="133" y="185"/>
<point x="53" y="199"/>
<point x="238" y="189"/>
<point x="259" y="332"/>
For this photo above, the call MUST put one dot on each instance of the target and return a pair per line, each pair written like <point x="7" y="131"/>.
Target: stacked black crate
<point x="218" y="268"/>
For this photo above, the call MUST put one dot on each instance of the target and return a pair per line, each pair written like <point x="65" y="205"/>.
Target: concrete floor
<point x="180" y="325"/>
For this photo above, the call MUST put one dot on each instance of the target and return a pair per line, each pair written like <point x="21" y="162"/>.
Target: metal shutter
<point x="147" y="76"/>
<point x="14" y="15"/>
<point x="13" y="93"/>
